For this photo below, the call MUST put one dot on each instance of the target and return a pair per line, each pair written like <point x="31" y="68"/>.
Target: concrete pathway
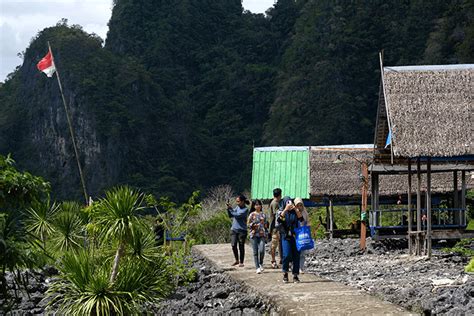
<point x="313" y="296"/>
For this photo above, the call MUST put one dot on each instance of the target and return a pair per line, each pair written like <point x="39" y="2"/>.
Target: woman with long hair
<point x="258" y="225"/>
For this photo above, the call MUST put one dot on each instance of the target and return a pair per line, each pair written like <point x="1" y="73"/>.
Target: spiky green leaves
<point x="83" y="287"/>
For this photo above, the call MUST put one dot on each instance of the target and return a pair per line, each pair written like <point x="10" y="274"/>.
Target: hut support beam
<point x="377" y="199"/>
<point x="463" y="198"/>
<point x="418" y="208"/>
<point x="331" y="219"/>
<point x="455" y="198"/>
<point x="410" y="213"/>
<point x="365" y="184"/>
<point x="372" y="200"/>
<point x="428" y="208"/>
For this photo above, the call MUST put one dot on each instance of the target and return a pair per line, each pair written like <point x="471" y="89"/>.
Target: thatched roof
<point x="440" y="183"/>
<point x="328" y="178"/>
<point x="344" y="180"/>
<point x="430" y="110"/>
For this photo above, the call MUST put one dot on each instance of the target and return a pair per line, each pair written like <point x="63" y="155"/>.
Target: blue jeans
<point x="290" y="254"/>
<point x="258" y="245"/>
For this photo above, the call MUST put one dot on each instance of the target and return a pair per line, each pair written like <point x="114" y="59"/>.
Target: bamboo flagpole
<point x="48" y="66"/>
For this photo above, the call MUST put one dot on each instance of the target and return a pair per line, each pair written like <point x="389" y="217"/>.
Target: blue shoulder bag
<point x="303" y="238"/>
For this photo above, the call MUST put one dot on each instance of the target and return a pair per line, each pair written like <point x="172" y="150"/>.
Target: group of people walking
<point x="279" y="225"/>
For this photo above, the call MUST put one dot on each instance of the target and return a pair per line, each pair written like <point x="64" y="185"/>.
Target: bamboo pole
<point x="71" y="130"/>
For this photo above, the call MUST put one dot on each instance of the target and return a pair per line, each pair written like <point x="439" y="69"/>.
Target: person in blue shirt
<point x="239" y="228"/>
<point x="288" y="219"/>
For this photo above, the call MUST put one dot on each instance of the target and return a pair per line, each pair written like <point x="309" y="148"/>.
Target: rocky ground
<point x="30" y="301"/>
<point x="214" y="293"/>
<point x="437" y="286"/>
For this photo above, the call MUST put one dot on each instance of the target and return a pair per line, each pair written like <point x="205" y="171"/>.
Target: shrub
<point x="215" y="201"/>
<point x="462" y="247"/>
<point x="214" y="230"/>
<point x="83" y="286"/>
<point x="470" y="266"/>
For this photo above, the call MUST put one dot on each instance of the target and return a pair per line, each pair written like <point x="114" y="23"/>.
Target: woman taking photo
<point x="288" y="219"/>
<point x="239" y="228"/>
<point x="258" y="226"/>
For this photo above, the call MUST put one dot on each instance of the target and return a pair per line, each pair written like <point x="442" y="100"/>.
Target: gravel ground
<point x="214" y="293"/>
<point x="436" y="286"/>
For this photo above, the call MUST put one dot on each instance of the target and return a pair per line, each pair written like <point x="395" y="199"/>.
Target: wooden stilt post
<point x="418" y="208"/>
<point x="363" y="227"/>
<point x="410" y="214"/>
<point x="455" y="197"/>
<point x="428" y="208"/>
<point x="331" y="218"/>
<point x="328" y="220"/>
<point x="372" y="200"/>
<point x="463" y="197"/>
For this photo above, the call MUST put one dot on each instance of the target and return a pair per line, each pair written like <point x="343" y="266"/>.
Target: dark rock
<point x="386" y="270"/>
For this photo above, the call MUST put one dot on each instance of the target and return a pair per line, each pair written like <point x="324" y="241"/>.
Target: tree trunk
<point x="115" y="267"/>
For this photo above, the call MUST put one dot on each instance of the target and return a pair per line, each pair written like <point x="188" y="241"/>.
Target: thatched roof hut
<point x="429" y="111"/>
<point x="310" y="172"/>
<point x="344" y="180"/>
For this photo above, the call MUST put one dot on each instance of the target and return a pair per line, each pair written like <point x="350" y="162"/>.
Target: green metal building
<point x="280" y="167"/>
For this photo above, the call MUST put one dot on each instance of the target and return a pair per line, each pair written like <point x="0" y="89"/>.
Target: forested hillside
<point x="182" y="90"/>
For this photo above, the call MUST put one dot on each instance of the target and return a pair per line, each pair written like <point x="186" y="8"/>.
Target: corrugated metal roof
<point x="282" y="148"/>
<point x="280" y="167"/>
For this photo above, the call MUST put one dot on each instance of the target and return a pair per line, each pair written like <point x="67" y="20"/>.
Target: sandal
<point x="235" y="264"/>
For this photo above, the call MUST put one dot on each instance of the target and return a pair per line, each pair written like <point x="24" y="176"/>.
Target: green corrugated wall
<point x="285" y="169"/>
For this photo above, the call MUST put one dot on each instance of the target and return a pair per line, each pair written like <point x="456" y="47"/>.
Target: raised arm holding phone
<point x="239" y="228"/>
<point x="288" y="219"/>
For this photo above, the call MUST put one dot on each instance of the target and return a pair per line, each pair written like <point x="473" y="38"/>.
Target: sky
<point x="21" y="20"/>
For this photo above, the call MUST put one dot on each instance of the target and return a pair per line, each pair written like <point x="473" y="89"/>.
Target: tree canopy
<point x="183" y="90"/>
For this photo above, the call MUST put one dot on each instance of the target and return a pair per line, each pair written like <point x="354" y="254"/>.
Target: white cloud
<point x="20" y="21"/>
<point x="258" y="6"/>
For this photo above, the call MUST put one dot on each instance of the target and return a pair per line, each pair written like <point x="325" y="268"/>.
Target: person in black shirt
<point x="288" y="218"/>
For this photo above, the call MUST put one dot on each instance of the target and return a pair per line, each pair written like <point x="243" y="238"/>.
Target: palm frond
<point x="40" y="217"/>
<point x="83" y="287"/>
<point x="68" y="232"/>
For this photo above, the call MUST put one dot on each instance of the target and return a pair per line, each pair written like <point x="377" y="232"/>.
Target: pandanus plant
<point x="117" y="215"/>
<point x="40" y="219"/>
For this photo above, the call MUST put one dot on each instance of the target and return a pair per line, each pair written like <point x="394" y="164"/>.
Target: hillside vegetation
<point x="181" y="91"/>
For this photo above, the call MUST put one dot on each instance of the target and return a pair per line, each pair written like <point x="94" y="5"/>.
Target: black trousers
<point x="238" y="237"/>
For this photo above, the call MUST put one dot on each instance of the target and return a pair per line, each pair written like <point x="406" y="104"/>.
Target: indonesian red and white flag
<point x="46" y="64"/>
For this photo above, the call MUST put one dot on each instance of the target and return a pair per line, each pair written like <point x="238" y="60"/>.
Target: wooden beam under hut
<point x="410" y="213"/>
<point x="428" y="208"/>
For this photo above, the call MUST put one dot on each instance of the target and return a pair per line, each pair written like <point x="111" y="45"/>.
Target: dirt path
<point x="313" y="296"/>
